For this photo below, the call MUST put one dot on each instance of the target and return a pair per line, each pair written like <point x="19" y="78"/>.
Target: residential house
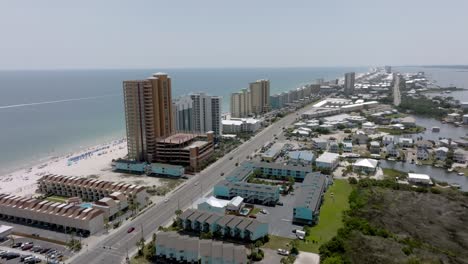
<point x="392" y="150"/>
<point x="360" y="137"/>
<point x="319" y="144"/>
<point x="441" y="153"/>
<point x="408" y="121"/>
<point x="405" y="142"/>
<point x="460" y="156"/>
<point x="388" y="139"/>
<point x="328" y="160"/>
<point x="334" y="147"/>
<point x="374" y="147"/>
<point x="347" y="147"/>
<point x="448" y="143"/>
<point x="368" y="166"/>
<point x="423" y="153"/>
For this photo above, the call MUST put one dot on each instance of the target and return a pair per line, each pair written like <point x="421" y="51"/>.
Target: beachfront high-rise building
<point x="198" y="113"/>
<point x="349" y="83"/>
<point x="260" y="96"/>
<point x="183" y="114"/>
<point x="148" y="115"/>
<point x="241" y="103"/>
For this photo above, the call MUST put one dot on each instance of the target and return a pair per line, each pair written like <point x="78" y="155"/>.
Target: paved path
<point x="113" y="249"/>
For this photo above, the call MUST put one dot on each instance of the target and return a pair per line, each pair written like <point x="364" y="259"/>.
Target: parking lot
<point x="279" y="217"/>
<point x="41" y="231"/>
<point x="43" y="249"/>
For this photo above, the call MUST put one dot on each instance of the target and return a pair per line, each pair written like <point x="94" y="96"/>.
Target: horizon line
<point x="227" y="67"/>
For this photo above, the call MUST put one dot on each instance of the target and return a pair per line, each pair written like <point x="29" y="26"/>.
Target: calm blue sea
<point x="34" y="132"/>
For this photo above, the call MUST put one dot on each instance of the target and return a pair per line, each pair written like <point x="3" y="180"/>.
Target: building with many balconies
<point x="56" y="216"/>
<point x="174" y="248"/>
<point x="228" y="226"/>
<point x="91" y="189"/>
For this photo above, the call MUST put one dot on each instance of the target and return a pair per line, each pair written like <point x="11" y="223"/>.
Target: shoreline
<point x="49" y="156"/>
<point x="21" y="180"/>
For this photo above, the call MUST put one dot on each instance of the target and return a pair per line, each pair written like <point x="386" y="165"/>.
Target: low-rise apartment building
<point x="90" y="189"/>
<point x="59" y="216"/>
<point x="174" y="248"/>
<point x="251" y="192"/>
<point x="309" y="198"/>
<point x="229" y="226"/>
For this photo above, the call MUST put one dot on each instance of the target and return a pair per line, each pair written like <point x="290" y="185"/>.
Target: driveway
<point x="279" y="217"/>
<point x="307" y="258"/>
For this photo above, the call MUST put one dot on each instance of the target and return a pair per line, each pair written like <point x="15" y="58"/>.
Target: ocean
<point x="52" y="113"/>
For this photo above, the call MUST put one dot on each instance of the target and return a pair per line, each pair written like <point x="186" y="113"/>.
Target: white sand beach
<point x="94" y="162"/>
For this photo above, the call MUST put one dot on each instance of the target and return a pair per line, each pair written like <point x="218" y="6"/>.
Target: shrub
<point x="352" y="180"/>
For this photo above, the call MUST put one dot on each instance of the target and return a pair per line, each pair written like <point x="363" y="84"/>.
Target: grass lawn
<point x="57" y="199"/>
<point x="392" y="173"/>
<point x="255" y="211"/>
<point x="139" y="260"/>
<point x="411" y="130"/>
<point x="276" y="242"/>
<point x="331" y="215"/>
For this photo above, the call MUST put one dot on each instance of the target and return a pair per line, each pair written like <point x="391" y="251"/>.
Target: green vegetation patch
<point x="57" y="199"/>
<point x="394" y="223"/>
<point x="276" y="242"/>
<point x="392" y="173"/>
<point x="331" y="214"/>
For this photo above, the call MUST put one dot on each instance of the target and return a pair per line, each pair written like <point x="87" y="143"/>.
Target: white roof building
<point x="367" y="163"/>
<point x="419" y="178"/>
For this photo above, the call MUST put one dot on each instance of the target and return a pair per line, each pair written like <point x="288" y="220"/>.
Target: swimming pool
<point x="86" y="205"/>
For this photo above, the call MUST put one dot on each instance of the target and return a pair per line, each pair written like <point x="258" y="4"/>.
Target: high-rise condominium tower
<point x="241" y="103"/>
<point x="199" y="113"/>
<point x="260" y="96"/>
<point x="349" y="83"/>
<point x="148" y="115"/>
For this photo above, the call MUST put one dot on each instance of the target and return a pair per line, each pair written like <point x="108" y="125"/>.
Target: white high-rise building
<point x="199" y="113"/>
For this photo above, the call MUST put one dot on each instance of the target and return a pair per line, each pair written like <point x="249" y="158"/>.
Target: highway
<point x="113" y="248"/>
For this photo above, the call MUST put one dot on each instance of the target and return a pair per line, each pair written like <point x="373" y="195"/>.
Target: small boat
<point x="435" y="129"/>
<point x="455" y="185"/>
<point x="461" y="174"/>
<point x="449" y="169"/>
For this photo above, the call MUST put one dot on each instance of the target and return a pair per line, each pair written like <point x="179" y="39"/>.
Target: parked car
<point x="222" y="174"/>
<point x="17" y="245"/>
<point x="252" y="216"/>
<point x="32" y="260"/>
<point x="3" y="253"/>
<point x="44" y="250"/>
<point x="36" y="248"/>
<point x="27" y="247"/>
<point x="23" y="257"/>
<point x="263" y="211"/>
<point x="131" y="229"/>
<point x="12" y="255"/>
<point x="279" y="203"/>
<point x="283" y="252"/>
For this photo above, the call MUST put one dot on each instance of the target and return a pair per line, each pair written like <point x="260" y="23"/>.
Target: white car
<point x="283" y="252"/>
<point x="166" y="200"/>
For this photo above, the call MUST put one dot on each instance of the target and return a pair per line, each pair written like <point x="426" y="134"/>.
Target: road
<point x="113" y="249"/>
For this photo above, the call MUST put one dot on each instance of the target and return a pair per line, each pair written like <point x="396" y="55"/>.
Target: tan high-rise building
<point x="241" y="103"/>
<point x="148" y="115"/>
<point x="260" y="96"/>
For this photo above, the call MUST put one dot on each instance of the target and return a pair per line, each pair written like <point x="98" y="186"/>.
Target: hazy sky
<point x="45" y="34"/>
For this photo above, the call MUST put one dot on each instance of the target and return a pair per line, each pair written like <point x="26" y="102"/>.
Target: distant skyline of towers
<point x="252" y="101"/>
